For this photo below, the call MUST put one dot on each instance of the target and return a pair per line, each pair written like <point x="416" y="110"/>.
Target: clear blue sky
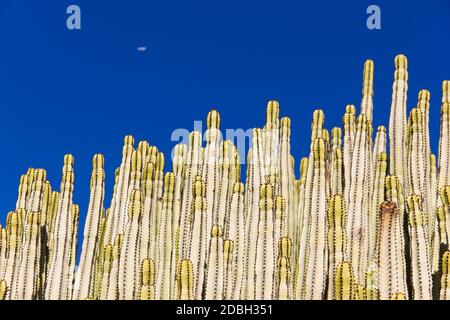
<point x="81" y="91"/>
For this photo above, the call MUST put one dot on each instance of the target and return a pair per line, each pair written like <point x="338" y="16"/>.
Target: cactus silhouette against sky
<point x="367" y="218"/>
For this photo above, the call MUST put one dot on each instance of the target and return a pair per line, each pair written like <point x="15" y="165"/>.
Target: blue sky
<point x="81" y="91"/>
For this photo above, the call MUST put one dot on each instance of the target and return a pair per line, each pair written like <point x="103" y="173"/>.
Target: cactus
<point x="25" y="286"/>
<point x="360" y="222"/>
<point x="391" y="257"/>
<point x="199" y="236"/>
<point x="336" y="238"/>
<point x="147" y="289"/>
<point x="283" y="288"/>
<point x="129" y="264"/>
<point x="397" y="121"/>
<point x="344" y="282"/>
<point x="85" y="278"/>
<point x="163" y="281"/>
<point x="420" y="254"/>
<point x="214" y="273"/>
<point x="109" y="289"/>
<point x="313" y="251"/>
<point x="185" y="280"/>
<point x="265" y="257"/>
<point x="60" y="262"/>
<point x="236" y="233"/>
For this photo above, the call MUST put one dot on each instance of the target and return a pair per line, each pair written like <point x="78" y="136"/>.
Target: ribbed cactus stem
<point x="287" y="177"/>
<point x="357" y="200"/>
<point x="111" y="263"/>
<point x="185" y="280"/>
<point x="221" y="211"/>
<point x="265" y="255"/>
<point x="336" y="237"/>
<point x="380" y="143"/>
<point x="129" y="264"/>
<point x="236" y="232"/>
<point x="367" y="91"/>
<point x="228" y="269"/>
<point x="210" y="174"/>
<point x="442" y="217"/>
<point x="283" y="277"/>
<point x="59" y="261"/>
<point x="345" y="229"/>
<point x="193" y="168"/>
<point x="252" y="202"/>
<point x="3" y="247"/>
<point x="85" y="277"/>
<point x="349" y="144"/>
<point x="300" y="208"/>
<point x="270" y="139"/>
<point x="444" y="138"/>
<point x="3" y="289"/>
<point x="397" y="121"/>
<point x="445" y="277"/>
<point x="420" y="254"/>
<point x="99" y="256"/>
<point x="214" y="276"/>
<point x="147" y="289"/>
<point x="120" y="196"/>
<point x="344" y="282"/>
<point x="14" y="226"/>
<point x="164" y="282"/>
<point x="199" y="235"/>
<point x="313" y="270"/>
<point x="147" y="212"/>
<point x="179" y="171"/>
<point x="73" y="251"/>
<point x="377" y="199"/>
<point x="26" y="284"/>
<point x="392" y="277"/>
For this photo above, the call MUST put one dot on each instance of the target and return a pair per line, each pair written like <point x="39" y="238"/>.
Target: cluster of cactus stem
<point x="358" y="223"/>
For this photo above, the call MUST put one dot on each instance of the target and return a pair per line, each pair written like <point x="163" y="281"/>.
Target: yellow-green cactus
<point x="59" y="267"/>
<point x="185" y="279"/>
<point x="265" y="255"/>
<point x="85" y="277"/>
<point x="236" y="233"/>
<point x="336" y="238"/>
<point x="344" y="282"/>
<point x="147" y="289"/>
<point x="164" y="283"/>
<point x="283" y="277"/>
<point x="26" y="283"/>
<point x="198" y="240"/>
<point x="445" y="277"/>
<point x="397" y="121"/>
<point x="345" y="228"/>
<point x="420" y="254"/>
<point x="214" y="272"/>
<point x="3" y="289"/>
<point x="313" y="255"/>
<point x="391" y="255"/>
<point x="129" y="256"/>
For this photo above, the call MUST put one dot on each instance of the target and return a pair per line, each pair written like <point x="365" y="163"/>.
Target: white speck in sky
<point x="142" y="49"/>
